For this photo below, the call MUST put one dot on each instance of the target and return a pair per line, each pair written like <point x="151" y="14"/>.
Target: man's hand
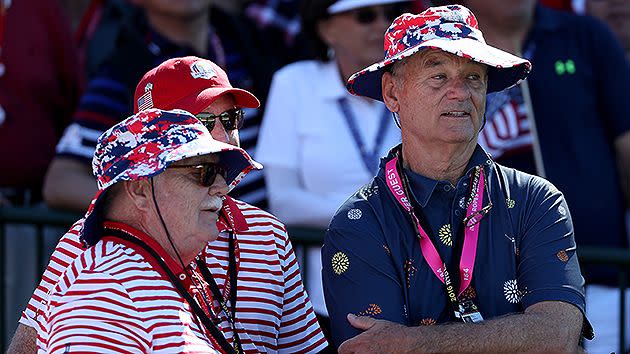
<point x="380" y="336"/>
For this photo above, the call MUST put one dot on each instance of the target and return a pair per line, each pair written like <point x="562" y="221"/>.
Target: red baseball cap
<point x="188" y="83"/>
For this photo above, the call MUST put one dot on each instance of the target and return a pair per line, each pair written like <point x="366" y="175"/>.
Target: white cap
<point x="346" y="5"/>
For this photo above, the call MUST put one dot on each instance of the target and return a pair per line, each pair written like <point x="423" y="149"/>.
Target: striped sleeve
<point x="92" y="312"/>
<point x="67" y="250"/>
<point x="106" y="101"/>
<point x="299" y="329"/>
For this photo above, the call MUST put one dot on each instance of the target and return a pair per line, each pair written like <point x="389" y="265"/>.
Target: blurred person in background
<point x="317" y="142"/>
<point x="40" y="84"/>
<point x="615" y="13"/>
<point x="160" y="30"/>
<point x="570" y="123"/>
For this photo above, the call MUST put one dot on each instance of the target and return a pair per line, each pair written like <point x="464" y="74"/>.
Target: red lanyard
<point x="471" y="231"/>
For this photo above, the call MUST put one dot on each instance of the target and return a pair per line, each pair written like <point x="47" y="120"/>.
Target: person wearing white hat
<point x="446" y="250"/>
<point x="314" y="131"/>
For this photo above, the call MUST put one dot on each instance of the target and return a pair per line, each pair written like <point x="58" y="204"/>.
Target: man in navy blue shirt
<point x="443" y="234"/>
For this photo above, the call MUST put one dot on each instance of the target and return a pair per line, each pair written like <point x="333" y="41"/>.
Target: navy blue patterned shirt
<point x="373" y="264"/>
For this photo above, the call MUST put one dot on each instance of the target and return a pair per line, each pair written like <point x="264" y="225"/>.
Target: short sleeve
<point x="105" y="320"/>
<point x="548" y="269"/>
<point x="106" y="101"/>
<point x="358" y="274"/>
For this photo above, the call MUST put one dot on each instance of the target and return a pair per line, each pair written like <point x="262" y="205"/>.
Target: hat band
<point x="398" y="41"/>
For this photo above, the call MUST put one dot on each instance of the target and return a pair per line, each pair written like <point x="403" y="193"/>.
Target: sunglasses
<point x="367" y="15"/>
<point x="208" y="172"/>
<point x="230" y="119"/>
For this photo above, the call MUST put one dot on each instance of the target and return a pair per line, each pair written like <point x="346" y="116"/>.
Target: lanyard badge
<point x="464" y="310"/>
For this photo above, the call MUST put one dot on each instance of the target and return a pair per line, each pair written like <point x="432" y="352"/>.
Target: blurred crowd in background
<point x="68" y="70"/>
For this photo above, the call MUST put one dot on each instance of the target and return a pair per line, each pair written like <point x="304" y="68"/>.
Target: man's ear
<point x="139" y="193"/>
<point x="390" y="89"/>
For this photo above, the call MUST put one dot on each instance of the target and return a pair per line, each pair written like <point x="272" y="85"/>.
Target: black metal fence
<point x="42" y="217"/>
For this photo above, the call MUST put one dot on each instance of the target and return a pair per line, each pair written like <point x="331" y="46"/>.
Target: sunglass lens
<point x="233" y="119"/>
<point x="210" y="172"/>
<point x="209" y="124"/>
<point x="365" y="16"/>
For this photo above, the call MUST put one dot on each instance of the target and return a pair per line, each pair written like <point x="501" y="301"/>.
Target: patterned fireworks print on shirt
<point x="563" y="256"/>
<point x="510" y="203"/>
<point x="340" y="263"/>
<point x="369" y="191"/>
<point x="562" y="210"/>
<point x="462" y="203"/>
<point x="445" y="235"/>
<point x="372" y="310"/>
<point x="355" y="214"/>
<point x="512" y="293"/>
<point x="428" y="322"/>
<point x="410" y="271"/>
<point x="469" y="294"/>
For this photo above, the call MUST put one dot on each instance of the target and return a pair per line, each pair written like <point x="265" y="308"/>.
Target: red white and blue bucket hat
<point x="145" y="144"/>
<point x="452" y="29"/>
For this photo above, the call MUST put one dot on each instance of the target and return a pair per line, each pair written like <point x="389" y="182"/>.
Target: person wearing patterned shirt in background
<point x="273" y="311"/>
<point x="446" y="250"/>
<point x="615" y="13"/>
<point x="319" y="143"/>
<point x="159" y="30"/>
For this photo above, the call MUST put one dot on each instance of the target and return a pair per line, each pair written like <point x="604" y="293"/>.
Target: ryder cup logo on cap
<point x="452" y="29"/>
<point x="188" y="83"/>
<point x="202" y="70"/>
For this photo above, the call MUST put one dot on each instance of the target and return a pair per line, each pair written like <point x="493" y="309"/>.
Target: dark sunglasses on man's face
<point x="368" y="15"/>
<point x="207" y="172"/>
<point x="230" y="119"/>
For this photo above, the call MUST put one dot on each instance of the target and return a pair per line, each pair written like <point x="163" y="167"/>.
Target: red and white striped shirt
<point x="274" y="314"/>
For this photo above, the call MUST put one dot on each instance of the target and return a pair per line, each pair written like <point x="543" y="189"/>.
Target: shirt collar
<point x="173" y="265"/>
<point x="231" y="218"/>
<point x="422" y="187"/>
<point x="544" y="19"/>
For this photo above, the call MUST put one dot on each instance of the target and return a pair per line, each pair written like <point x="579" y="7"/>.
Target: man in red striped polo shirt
<point x="161" y="182"/>
<point x="274" y="313"/>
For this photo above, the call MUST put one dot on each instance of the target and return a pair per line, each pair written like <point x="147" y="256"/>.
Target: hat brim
<point x="236" y="160"/>
<point x="504" y="69"/>
<point x="197" y="103"/>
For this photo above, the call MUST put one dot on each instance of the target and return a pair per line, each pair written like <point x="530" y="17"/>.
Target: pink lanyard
<point x="471" y="231"/>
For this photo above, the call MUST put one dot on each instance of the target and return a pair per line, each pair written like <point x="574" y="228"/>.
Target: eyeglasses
<point x="208" y="172"/>
<point x="367" y="15"/>
<point x="230" y="119"/>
